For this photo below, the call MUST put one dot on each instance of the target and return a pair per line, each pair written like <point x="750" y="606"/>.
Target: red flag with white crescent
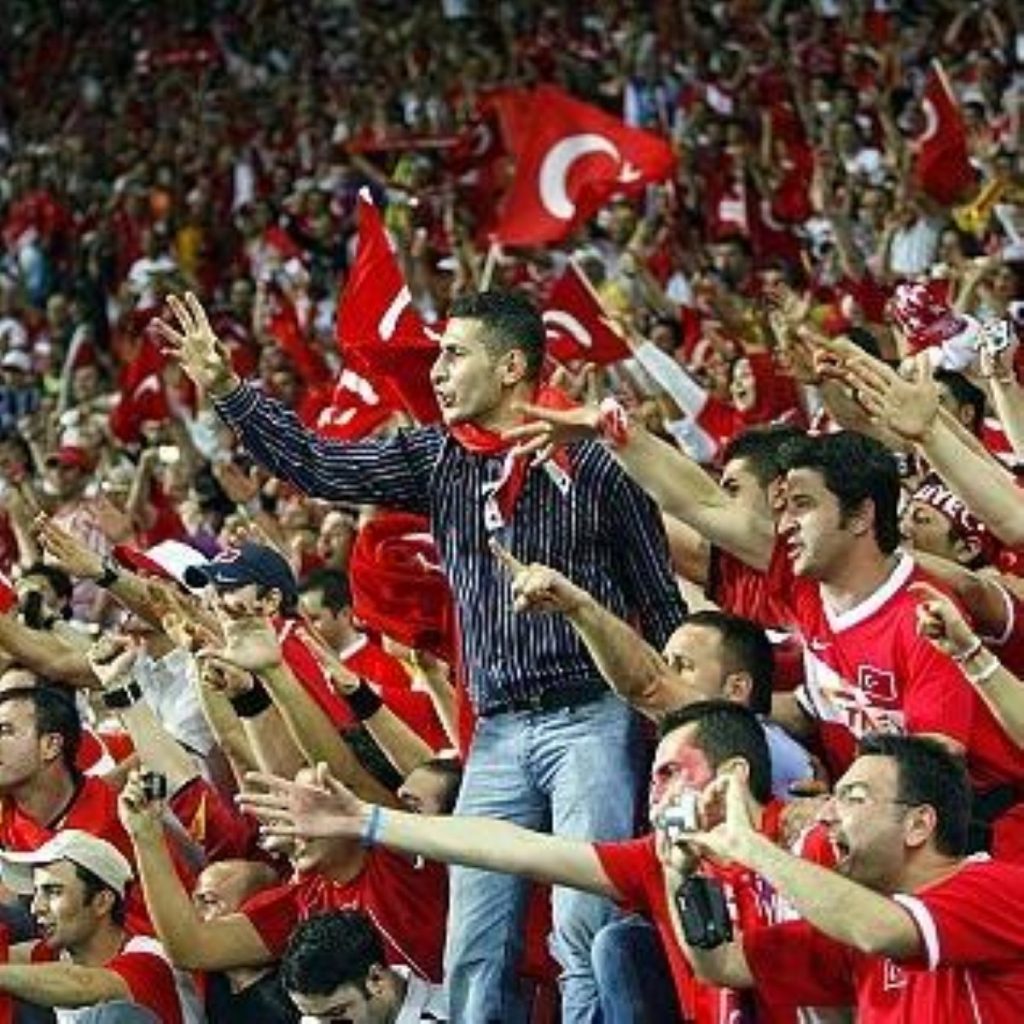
<point x="576" y="325"/>
<point x="574" y="159"/>
<point x="380" y="332"/>
<point x="942" y="166"/>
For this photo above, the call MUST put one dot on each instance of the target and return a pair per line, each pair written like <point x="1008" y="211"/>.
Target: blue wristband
<point x="372" y="827"/>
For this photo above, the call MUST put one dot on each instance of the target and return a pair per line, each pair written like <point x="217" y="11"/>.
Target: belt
<point x="548" y="700"/>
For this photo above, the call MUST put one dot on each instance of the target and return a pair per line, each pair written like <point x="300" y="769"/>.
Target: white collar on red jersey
<point x="898" y="579"/>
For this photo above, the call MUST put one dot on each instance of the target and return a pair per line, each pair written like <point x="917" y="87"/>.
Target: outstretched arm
<point x="62" y="984"/>
<point x="329" y="809"/>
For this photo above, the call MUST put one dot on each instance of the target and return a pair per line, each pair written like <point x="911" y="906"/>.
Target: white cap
<point x="105" y="861"/>
<point x="17" y="360"/>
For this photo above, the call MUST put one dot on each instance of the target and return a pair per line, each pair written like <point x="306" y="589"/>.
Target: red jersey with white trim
<point x="635" y="871"/>
<point x="868" y="670"/>
<point x="147" y="973"/>
<point x="970" y="967"/>
<point x="406" y="900"/>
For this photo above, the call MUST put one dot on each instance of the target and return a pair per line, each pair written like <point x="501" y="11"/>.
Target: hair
<point x="856" y="469"/>
<point x="329" y="950"/>
<point x="334" y="585"/>
<point x="672" y="324"/>
<point x="55" y="713"/>
<point x="94" y="885"/>
<point x="929" y="774"/>
<point x="24" y="449"/>
<point x="449" y="769"/>
<point x="726" y="730"/>
<point x="510" y="322"/>
<point x="762" y="448"/>
<point x="964" y="394"/>
<point x="745" y="648"/>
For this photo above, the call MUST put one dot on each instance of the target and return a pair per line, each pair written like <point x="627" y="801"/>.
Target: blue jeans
<point x="576" y="770"/>
<point x="633" y="974"/>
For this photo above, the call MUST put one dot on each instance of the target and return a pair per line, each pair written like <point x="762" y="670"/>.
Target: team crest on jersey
<point x="877" y="682"/>
<point x="893" y="976"/>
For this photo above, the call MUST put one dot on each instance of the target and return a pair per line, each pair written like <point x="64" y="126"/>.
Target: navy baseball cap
<point x="251" y="563"/>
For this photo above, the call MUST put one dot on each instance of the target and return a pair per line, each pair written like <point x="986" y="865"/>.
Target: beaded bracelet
<point x="986" y="673"/>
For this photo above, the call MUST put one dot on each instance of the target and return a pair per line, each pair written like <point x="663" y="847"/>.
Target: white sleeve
<point x="695" y="442"/>
<point x="676" y="382"/>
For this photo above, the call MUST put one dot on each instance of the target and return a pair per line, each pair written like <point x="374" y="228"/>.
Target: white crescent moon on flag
<point x="569" y="324"/>
<point x="931" y="121"/>
<point x="554" y="170"/>
<point x="389" y="321"/>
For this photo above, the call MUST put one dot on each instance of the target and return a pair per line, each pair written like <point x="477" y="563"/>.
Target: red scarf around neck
<point x="500" y="499"/>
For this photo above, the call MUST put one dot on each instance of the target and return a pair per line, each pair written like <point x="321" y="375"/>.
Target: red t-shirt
<point x="146" y="972"/>
<point x="971" y="965"/>
<point x="869" y="670"/>
<point x="408" y="904"/>
<point x="635" y="871"/>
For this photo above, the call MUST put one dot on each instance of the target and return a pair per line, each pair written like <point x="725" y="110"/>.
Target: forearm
<point x="272" y="744"/>
<point x="848" y="912"/>
<point x="442" y="694"/>
<point x="229" y="732"/>
<point x="999" y="688"/>
<point x="62" y="984"/>
<point x="158" y="750"/>
<point x="682" y="489"/>
<point x="44" y="654"/>
<point x="495" y="845"/>
<point x="987" y="489"/>
<point x="631" y="666"/>
<point x="402" y="747"/>
<point x="316" y="736"/>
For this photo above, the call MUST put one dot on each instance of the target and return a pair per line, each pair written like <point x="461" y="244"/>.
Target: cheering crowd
<point x="426" y="428"/>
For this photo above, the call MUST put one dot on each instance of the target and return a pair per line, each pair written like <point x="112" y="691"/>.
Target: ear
<point x="103" y="902"/>
<point x="919" y="826"/>
<point x="513" y="367"/>
<point x="270" y="603"/>
<point x="737" y="687"/>
<point x="376" y="980"/>
<point x="51" y="746"/>
<point x="862" y="521"/>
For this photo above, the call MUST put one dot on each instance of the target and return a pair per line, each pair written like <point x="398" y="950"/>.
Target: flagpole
<point x="493" y="254"/>
<point x="940" y="74"/>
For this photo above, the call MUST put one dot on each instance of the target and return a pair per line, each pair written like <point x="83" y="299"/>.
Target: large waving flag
<point x="942" y="166"/>
<point x="574" y="158"/>
<point x="381" y="334"/>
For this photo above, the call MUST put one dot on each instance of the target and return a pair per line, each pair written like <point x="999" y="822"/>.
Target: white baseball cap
<point x="104" y="860"/>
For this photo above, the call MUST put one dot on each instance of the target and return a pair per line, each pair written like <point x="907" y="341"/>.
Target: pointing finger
<point x="507" y="559"/>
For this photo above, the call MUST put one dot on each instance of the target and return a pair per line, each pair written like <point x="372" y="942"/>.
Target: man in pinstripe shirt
<point x="551" y="744"/>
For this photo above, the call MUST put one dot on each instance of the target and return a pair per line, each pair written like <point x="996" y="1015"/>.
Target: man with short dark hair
<point x="907" y="928"/>
<point x="335" y="969"/>
<point x="531" y="685"/>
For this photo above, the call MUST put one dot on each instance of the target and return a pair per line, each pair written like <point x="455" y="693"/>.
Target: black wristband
<point x="253" y="702"/>
<point x="111" y="573"/>
<point x="123" y="697"/>
<point x="363" y="702"/>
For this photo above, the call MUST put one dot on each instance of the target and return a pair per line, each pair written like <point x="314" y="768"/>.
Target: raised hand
<point x="190" y="340"/>
<point x="67" y="550"/>
<point x="322" y="811"/>
<point x="112" y="659"/>
<point x="908" y="406"/>
<point x="940" y="622"/>
<point x="548" y="429"/>
<point x="139" y="815"/>
<point x="539" y="588"/>
<point x="728" y="840"/>
<point x="250" y="644"/>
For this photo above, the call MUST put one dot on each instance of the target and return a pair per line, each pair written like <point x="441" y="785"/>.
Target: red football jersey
<point x="145" y="970"/>
<point x="407" y="903"/>
<point x="868" y="670"/>
<point x="634" y="869"/>
<point x="970" y="969"/>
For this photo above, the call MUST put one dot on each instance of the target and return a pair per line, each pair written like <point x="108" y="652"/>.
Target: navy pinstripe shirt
<point x="604" y="533"/>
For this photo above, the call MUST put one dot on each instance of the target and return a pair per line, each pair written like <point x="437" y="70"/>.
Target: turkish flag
<point x="576" y="324"/>
<point x="574" y="158"/>
<point x="379" y="331"/>
<point x="355" y="410"/>
<point x="942" y="165"/>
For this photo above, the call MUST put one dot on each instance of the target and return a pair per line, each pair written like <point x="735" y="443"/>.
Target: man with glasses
<point x="335" y="972"/>
<point x="907" y="927"/>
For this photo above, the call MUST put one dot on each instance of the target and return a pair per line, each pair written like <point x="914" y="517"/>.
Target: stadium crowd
<point x="332" y="675"/>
